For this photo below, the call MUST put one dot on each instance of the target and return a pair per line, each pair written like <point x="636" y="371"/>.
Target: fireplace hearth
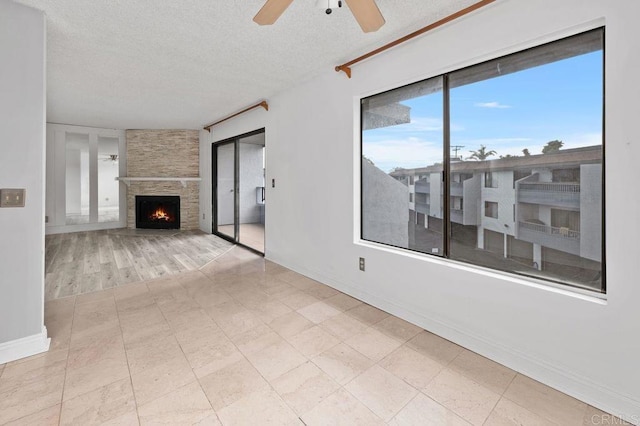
<point x="157" y="212"/>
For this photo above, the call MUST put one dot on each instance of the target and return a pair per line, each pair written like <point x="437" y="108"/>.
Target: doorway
<point x="239" y="189"/>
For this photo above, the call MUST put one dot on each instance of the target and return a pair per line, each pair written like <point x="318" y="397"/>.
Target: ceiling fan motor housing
<point x="366" y="12"/>
<point x="328" y="5"/>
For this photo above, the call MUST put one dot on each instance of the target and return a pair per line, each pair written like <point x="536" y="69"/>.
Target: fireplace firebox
<point x="157" y="212"/>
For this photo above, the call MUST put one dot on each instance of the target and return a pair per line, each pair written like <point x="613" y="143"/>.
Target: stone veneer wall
<point x="164" y="153"/>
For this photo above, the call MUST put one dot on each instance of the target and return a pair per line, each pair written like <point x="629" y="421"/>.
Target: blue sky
<point x="561" y="100"/>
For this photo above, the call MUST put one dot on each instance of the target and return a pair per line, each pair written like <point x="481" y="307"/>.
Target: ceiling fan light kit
<point x="366" y="12"/>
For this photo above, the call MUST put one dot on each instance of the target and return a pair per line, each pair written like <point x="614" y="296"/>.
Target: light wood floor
<point x="84" y="262"/>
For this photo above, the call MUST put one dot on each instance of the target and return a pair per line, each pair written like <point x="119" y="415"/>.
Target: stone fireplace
<point x="168" y="155"/>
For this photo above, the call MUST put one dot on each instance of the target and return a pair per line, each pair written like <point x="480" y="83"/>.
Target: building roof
<point x="565" y="157"/>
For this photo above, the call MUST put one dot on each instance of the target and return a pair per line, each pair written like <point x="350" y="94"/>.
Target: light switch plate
<point x="12" y="197"/>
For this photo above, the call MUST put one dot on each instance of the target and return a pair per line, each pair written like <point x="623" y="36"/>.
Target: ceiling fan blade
<point x="271" y="11"/>
<point x="367" y="14"/>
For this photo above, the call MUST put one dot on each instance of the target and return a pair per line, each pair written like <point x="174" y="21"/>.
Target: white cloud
<point x="408" y="153"/>
<point x="514" y="146"/>
<point x="492" y="105"/>
<point x="412" y="152"/>
<point x="581" y="139"/>
<point x="503" y="146"/>
<point x="490" y="142"/>
<point x="577" y="140"/>
<point x="418" y="124"/>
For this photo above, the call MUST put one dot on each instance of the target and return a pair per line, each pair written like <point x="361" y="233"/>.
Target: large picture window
<point x="508" y="160"/>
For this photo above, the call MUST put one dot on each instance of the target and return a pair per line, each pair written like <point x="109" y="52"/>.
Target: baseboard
<point x="24" y="347"/>
<point x="557" y="377"/>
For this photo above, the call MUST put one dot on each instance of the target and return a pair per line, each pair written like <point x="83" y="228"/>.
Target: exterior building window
<point x="566" y="175"/>
<point x="489" y="180"/>
<point x="491" y="209"/>
<point x="520" y="174"/>
<point x="527" y="112"/>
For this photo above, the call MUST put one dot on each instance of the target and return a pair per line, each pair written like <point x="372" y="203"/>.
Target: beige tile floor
<point x="251" y="234"/>
<point x="245" y="341"/>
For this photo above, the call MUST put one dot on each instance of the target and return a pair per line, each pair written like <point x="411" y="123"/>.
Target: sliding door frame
<point x="216" y="190"/>
<point x="235" y="141"/>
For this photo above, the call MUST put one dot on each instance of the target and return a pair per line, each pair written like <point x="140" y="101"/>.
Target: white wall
<point x="505" y="196"/>
<point x="435" y="188"/>
<point x="590" y="214"/>
<point x="584" y="346"/>
<point x="387" y="213"/>
<point x="22" y="135"/>
<point x="472" y="199"/>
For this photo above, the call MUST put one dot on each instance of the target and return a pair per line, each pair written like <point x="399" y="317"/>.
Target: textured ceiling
<point x="182" y="64"/>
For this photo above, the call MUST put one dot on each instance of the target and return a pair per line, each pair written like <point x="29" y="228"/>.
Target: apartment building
<point x="531" y="208"/>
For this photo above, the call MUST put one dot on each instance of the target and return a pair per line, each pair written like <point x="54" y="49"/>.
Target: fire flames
<point x="161" y="215"/>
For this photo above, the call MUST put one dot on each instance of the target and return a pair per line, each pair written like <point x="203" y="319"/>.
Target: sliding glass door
<point x="239" y="189"/>
<point x="225" y="200"/>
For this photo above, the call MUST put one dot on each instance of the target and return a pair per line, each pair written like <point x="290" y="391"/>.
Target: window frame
<point x="490" y="180"/>
<point x="446" y="172"/>
<point x="494" y="207"/>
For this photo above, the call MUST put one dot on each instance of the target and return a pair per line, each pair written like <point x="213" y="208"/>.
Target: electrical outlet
<point x="362" y="264"/>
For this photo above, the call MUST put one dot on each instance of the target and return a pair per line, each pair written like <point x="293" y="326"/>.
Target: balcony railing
<point x="422" y="186"/>
<point x="550" y="194"/>
<point x="563" y="239"/>
<point x="550" y="187"/>
<point x="553" y="230"/>
<point x="423" y="208"/>
<point x="456" y="189"/>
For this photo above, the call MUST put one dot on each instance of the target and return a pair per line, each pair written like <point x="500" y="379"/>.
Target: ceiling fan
<point x="109" y="157"/>
<point x="366" y="13"/>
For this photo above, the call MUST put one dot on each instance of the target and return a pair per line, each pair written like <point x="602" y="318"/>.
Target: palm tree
<point x="481" y="154"/>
